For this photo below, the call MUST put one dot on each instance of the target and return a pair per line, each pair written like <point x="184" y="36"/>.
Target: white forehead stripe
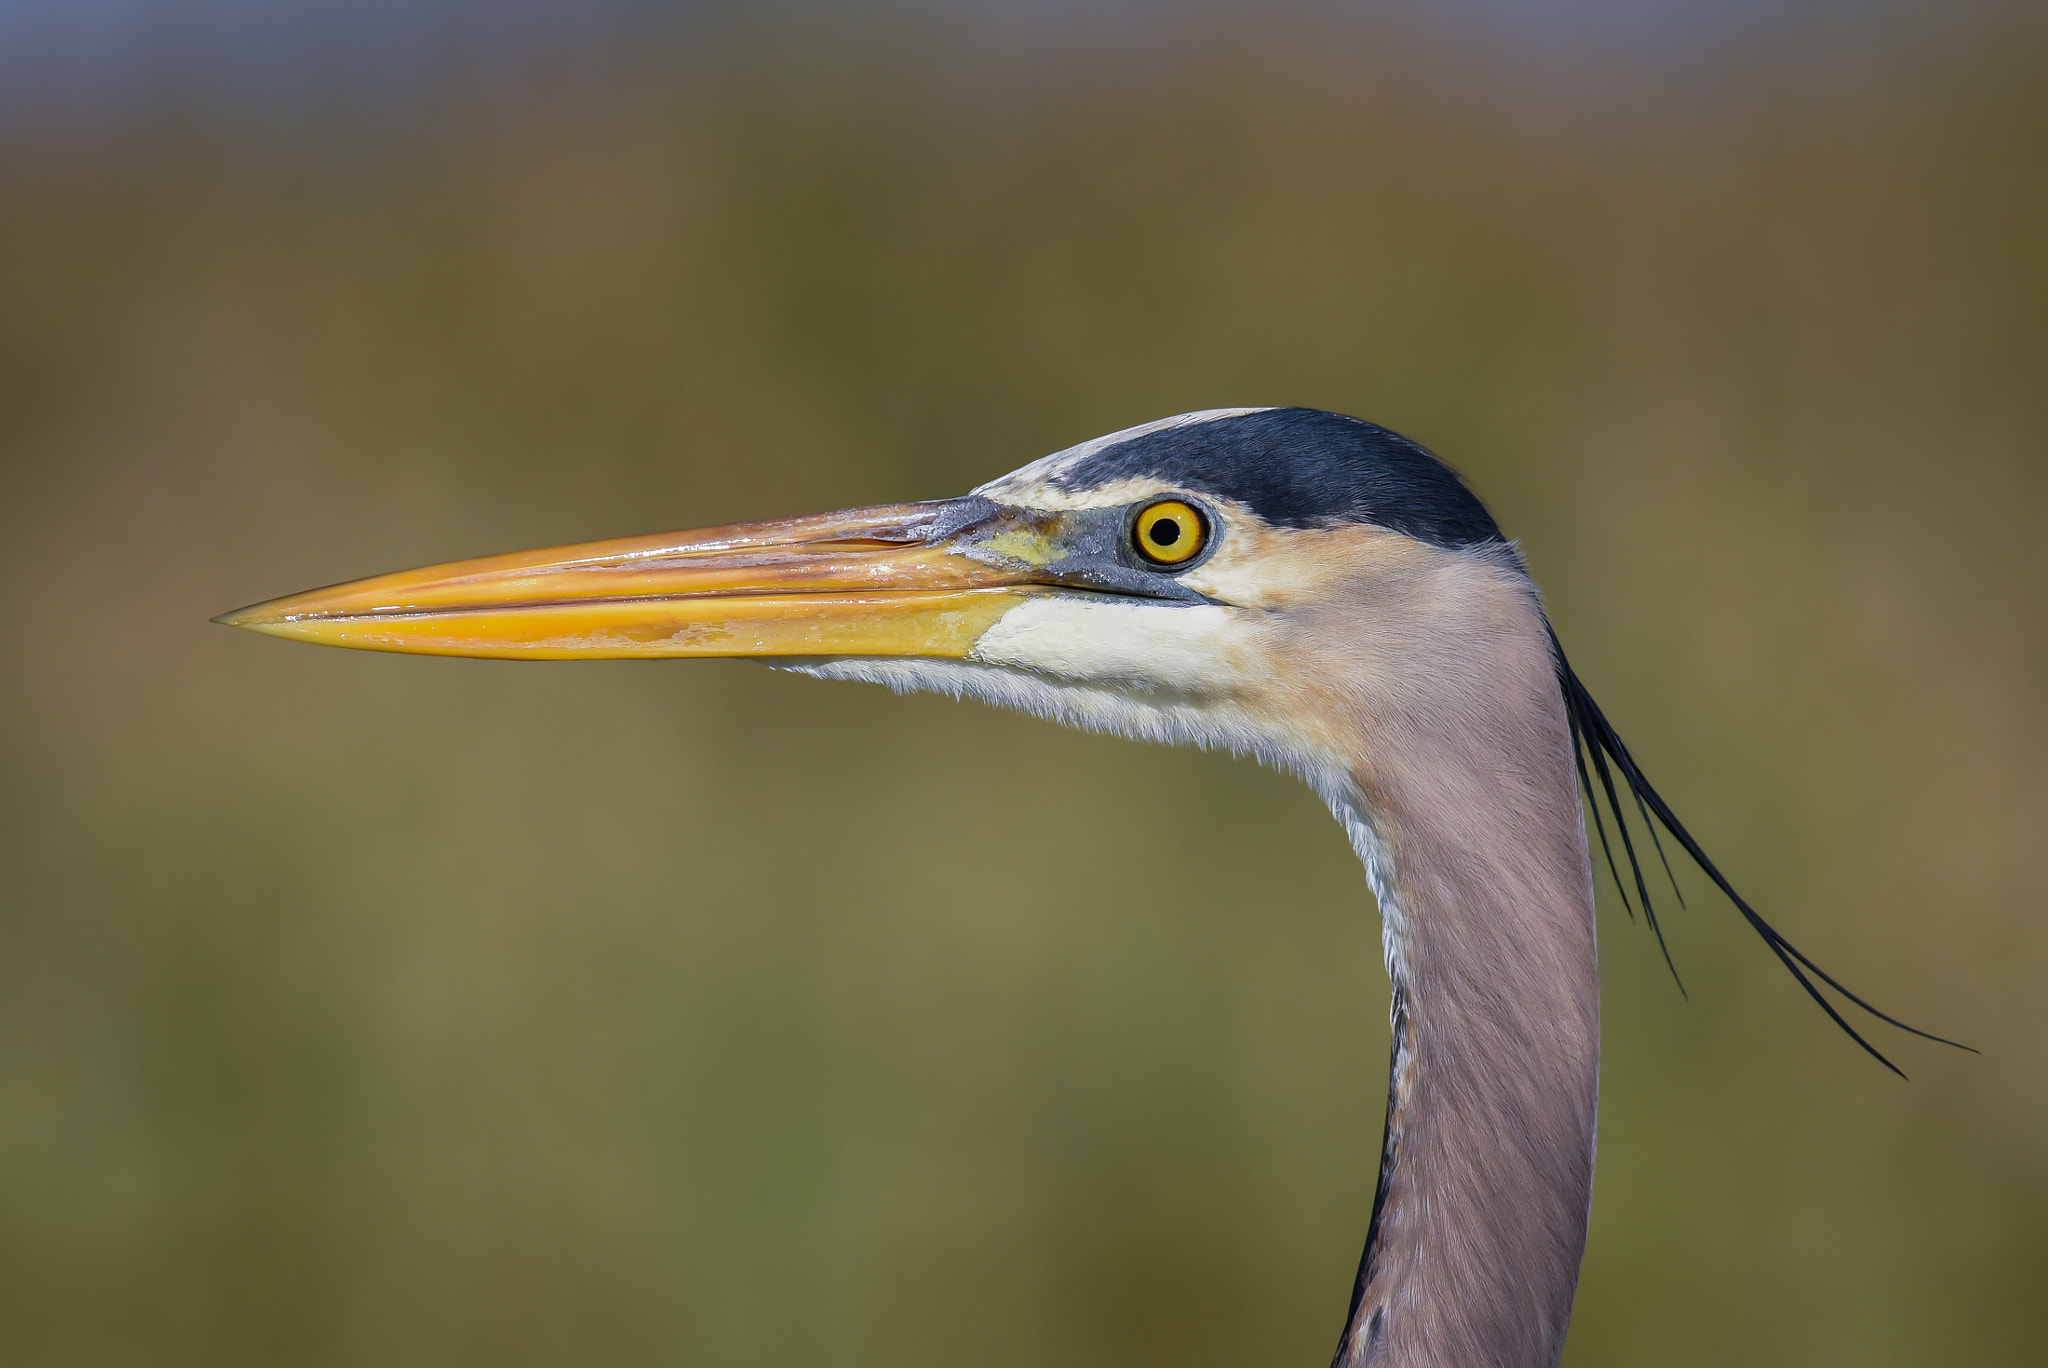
<point x="1046" y="469"/>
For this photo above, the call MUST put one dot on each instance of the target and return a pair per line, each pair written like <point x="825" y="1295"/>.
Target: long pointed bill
<point x="894" y="580"/>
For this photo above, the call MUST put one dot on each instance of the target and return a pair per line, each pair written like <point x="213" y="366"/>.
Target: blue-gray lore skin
<point x="1298" y="586"/>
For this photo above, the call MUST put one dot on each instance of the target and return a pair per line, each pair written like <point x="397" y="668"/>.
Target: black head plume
<point x="1602" y="758"/>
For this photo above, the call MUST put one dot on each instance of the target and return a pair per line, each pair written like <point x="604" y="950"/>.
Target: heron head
<point x="1216" y="578"/>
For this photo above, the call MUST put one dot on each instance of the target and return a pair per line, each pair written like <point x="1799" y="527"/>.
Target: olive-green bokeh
<point x="367" y="1009"/>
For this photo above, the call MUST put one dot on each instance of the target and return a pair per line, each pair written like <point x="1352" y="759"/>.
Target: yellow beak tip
<point x="254" y="619"/>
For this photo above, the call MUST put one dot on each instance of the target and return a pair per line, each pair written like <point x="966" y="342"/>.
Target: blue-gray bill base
<point x="1299" y="586"/>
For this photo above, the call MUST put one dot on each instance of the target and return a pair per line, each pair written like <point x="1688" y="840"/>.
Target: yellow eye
<point x="1170" y="532"/>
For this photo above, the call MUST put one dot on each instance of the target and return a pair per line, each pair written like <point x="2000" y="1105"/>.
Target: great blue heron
<point x="1295" y="585"/>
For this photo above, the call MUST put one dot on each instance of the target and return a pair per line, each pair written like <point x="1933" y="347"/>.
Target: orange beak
<point x="897" y="580"/>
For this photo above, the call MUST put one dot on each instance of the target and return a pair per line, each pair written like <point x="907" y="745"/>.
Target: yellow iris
<point x="1170" y="532"/>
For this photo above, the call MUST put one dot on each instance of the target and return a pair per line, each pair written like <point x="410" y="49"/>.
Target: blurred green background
<point x="366" y="1009"/>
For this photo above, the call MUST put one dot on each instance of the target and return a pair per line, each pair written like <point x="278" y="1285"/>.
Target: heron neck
<point x="1477" y="850"/>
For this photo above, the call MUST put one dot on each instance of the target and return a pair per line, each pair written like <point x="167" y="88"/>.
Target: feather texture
<point x="1602" y="756"/>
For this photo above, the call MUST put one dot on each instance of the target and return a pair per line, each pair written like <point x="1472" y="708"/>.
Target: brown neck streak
<point x="1467" y="813"/>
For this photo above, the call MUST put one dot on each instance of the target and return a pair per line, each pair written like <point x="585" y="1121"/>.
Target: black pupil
<point x="1165" y="532"/>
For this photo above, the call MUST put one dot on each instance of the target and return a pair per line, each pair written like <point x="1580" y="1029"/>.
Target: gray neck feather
<point x="1476" y="847"/>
